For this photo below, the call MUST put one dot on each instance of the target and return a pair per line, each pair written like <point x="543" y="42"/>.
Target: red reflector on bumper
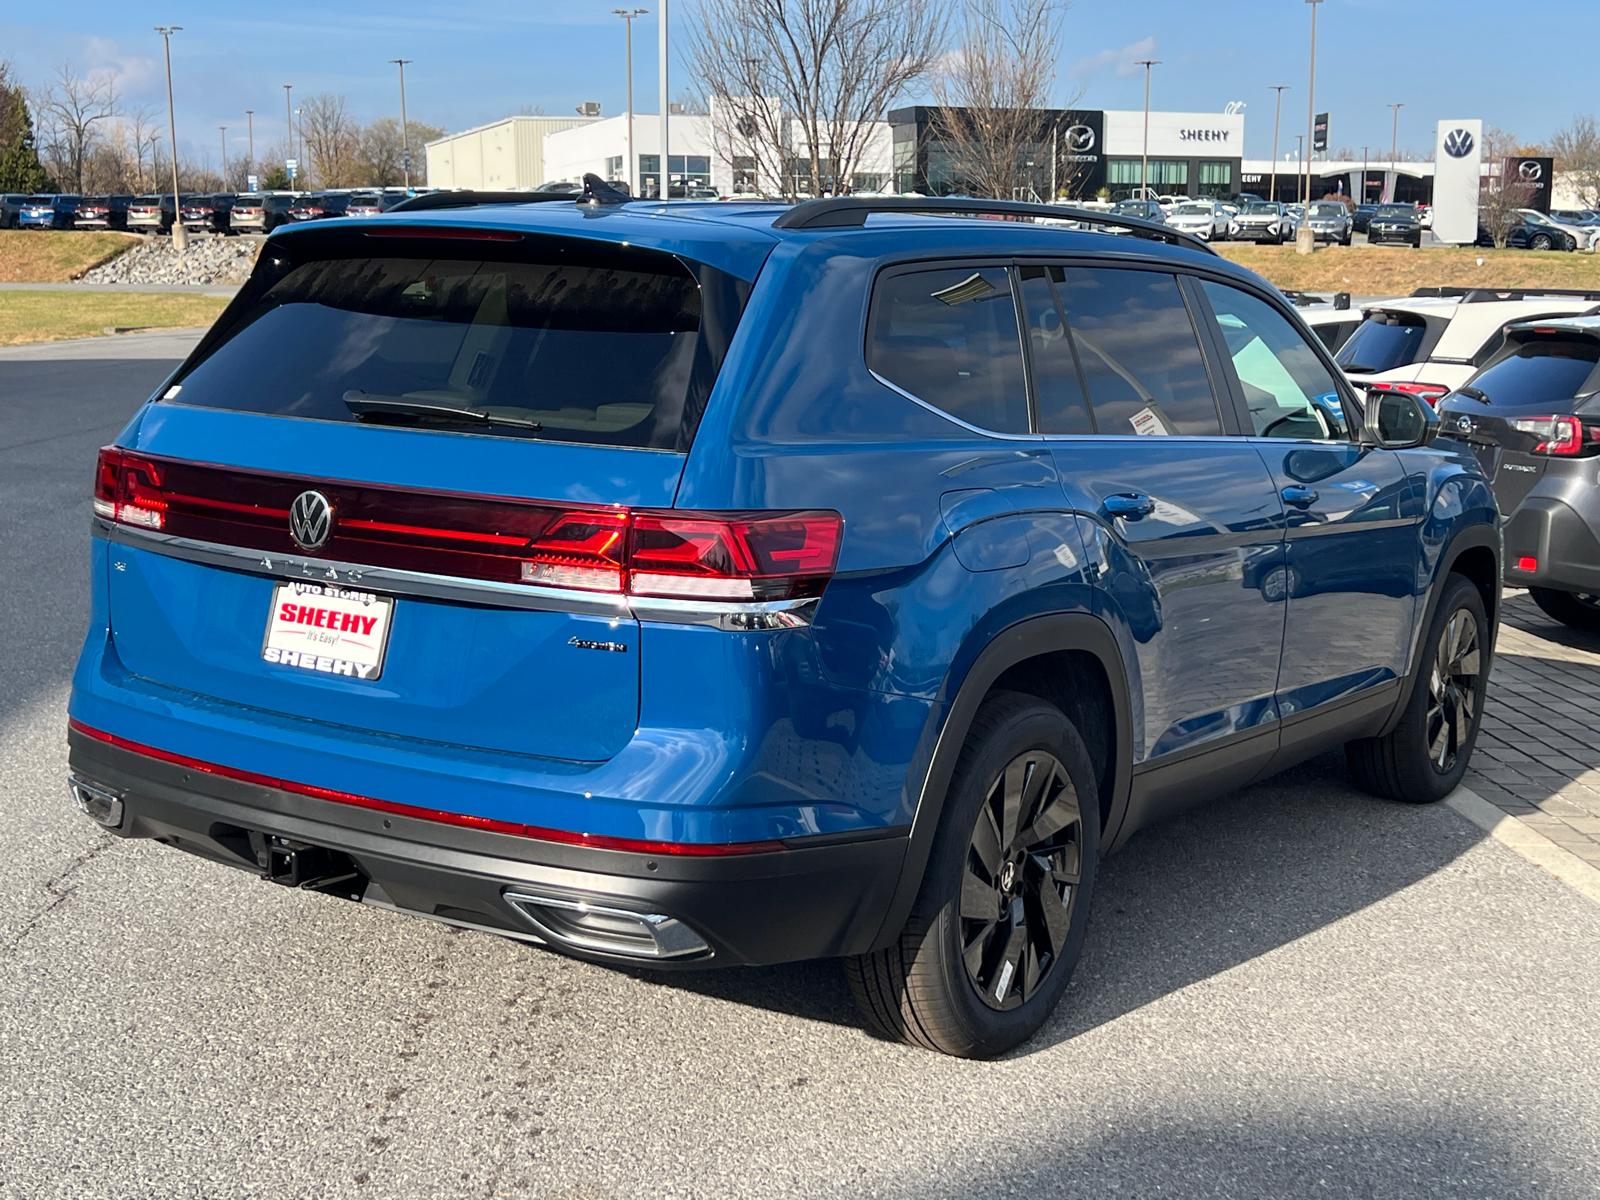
<point x="593" y="841"/>
<point x="1527" y="564"/>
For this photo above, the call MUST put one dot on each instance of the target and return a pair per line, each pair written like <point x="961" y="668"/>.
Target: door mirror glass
<point x="1399" y="420"/>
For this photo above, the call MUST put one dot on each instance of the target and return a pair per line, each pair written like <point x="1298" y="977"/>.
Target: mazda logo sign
<point x="1080" y="139"/>
<point x="1458" y="143"/>
<point x="1530" y="170"/>
<point x="310" y="520"/>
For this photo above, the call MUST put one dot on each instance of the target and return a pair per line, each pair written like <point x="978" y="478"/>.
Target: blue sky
<point x="1443" y="58"/>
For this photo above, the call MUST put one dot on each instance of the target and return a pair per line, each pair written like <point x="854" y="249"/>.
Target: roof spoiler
<point x="1339" y="300"/>
<point x="1487" y="295"/>
<point x="842" y="212"/>
<point x="596" y="191"/>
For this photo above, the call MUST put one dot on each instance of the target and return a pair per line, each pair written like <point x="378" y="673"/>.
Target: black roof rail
<point x="842" y="212"/>
<point x="1482" y="295"/>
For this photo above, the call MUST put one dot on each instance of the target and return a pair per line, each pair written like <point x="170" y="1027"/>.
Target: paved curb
<point x="1533" y="846"/>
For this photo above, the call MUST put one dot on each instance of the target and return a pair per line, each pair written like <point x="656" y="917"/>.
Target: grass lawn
<point x="1397" y="270"/>
<point x="56" y="255"/>
<point x="53" y="316"/>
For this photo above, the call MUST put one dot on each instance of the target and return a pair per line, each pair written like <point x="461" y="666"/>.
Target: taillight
<point x="642" y="552"/>
<point x="1555" y="435"/>
<point x="127" y="489"/>
<point x="1432" y="393"/>
<point x="755" y="557"/>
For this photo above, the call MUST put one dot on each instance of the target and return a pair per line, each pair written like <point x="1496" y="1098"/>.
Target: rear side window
<point x="1138" y="352"/>
<point x="587" y="346"/>
<point x="1383" y="342"/>
<point x="949" y="337"/>
<point x="1541" y="374"/>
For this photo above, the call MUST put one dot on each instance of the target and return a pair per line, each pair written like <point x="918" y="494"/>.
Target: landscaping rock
<point x="206" y="260"/>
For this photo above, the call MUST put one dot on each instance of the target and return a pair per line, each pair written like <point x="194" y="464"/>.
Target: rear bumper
<point x="814" y="898"/>
<point x="1559" y="539"/>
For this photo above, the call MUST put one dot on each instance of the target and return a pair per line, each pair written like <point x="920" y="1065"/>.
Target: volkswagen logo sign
<point x="1531" y="170"/>
<point x="1080" y="139"/>
<point x="310" y="520"/>
<point x="1458" y="143"/>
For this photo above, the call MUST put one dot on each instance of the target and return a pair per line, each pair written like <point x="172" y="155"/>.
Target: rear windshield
<point x="589" y="345"/>
<point x="1377" y="345"/>
<point x="1541" y="373"/>
<point x="41" y="199"/>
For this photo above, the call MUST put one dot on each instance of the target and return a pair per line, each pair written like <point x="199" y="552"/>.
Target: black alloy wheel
<point x="1024" y="864"/>
<point x="1540" y="241"/>
<point x="1423" y="758"/>
<point x="999" y="921"/>
<point x="1579" y="610"/>
<point x="1454" y="692"/>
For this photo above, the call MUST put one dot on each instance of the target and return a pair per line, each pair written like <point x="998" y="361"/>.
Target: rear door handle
<point x="1131" y="505"/>
<point x="1299" y="497"/>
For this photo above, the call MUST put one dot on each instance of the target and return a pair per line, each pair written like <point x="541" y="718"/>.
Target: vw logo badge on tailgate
<point x="310" y="520"/>
<point x="1458" y="143"/>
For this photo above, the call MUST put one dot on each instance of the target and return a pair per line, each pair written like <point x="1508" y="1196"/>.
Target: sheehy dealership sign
<point x="1176" y="135"/>
<point x="1457" y="158"/>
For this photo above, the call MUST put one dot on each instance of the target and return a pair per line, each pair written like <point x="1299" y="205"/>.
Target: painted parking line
<point x="1530" y="844"/>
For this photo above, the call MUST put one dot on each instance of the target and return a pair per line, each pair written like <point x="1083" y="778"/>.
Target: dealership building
<point x="1078" y="154"/>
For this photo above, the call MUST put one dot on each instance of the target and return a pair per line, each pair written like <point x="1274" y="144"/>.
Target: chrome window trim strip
<point x="748" y="616"/>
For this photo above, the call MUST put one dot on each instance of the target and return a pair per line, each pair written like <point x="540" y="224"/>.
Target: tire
<point x="938" y="985"/>
<point x="1424" y="757"/>
<point x="1345" y="241"/>
<point x="1540" y="241"/>
<point x="1580" y="610"/>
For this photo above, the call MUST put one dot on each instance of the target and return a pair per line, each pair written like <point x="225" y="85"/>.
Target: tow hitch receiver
<point x="310" y="868"/>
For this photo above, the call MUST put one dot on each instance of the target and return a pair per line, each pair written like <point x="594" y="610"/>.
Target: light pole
<point x="661" y="50"/>
<point x="405" y="134"/>
<point x="250" y="116"/>
<point x="1311" y="103"/>
<point x="223" y="130"/>
<point x="179" y="241"/>
<point x="1144" y="159"/>
<point x="300" y="125"/>
<point x="288" y="121"/>
<point x="1394" y="144"/>
<point x="627" y="19"/>
<point x="1280" y="88"/>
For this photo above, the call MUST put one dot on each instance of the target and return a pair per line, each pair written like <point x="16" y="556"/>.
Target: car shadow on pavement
<point x="1187" y="900"/>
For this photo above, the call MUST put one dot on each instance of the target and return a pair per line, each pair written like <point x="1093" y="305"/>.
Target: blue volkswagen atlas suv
<point x="694" y="584"/>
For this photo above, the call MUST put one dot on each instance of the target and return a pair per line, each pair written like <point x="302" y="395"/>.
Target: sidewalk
<point x="1538" y="756"/>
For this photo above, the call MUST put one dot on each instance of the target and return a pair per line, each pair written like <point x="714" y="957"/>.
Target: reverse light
<point x="1557" y="435"/>
<point x="1431" y="393"/>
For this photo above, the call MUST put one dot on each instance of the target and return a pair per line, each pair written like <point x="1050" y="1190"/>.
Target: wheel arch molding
<point x="1044" y="655"/>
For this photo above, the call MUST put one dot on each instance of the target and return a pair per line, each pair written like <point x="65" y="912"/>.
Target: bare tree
<point x="991" y="92"/>
<point x="1576" y="150"/>
<point x="1499" y="202"/>
<point x="797" y="86"/>
<point x="331" y="139"/>
<point x="73" y="109"/>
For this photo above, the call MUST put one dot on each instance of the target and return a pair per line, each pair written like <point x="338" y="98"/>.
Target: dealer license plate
<point x="329" y="630"/>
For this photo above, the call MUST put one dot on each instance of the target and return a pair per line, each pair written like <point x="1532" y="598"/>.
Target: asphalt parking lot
<point x="1295" y="991"/>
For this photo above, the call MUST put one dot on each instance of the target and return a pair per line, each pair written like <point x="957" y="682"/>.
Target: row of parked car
<point x="219" y="212"/>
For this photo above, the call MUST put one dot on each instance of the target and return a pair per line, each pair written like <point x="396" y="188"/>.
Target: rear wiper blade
<point x="364" y="404"/>
<point x="1358" y="369"/>
<point x="1472" y="393"/>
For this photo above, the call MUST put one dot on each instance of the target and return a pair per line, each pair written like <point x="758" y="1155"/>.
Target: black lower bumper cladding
<point x="784" y="901"/>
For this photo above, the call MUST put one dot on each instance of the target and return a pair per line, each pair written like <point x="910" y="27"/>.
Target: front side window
<point x="1138" y="351"/>
<point x="949" y="337"/>
<point x="1289" y="391"/>
<point x="1057" y="385"/>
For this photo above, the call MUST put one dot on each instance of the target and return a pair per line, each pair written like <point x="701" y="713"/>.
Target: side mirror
<point x="1398" y="420"/>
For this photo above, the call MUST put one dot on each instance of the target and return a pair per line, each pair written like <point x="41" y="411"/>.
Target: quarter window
<point x="1137" y="348"/>
<point x="949" y="337"/>
<point x="1288" y="390"/>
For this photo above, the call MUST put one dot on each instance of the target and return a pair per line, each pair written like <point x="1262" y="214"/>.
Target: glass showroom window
<point x="1166" y="175"/>
<point x="1216" y="179"/>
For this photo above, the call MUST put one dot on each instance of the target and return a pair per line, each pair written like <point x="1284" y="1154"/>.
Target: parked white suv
<point x="1203" y="218"/>
<point x="1432" y="341"/>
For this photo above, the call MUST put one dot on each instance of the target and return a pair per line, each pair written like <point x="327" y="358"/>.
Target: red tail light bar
<point x="741" y="556"/>
<point x="1430" y="392"/>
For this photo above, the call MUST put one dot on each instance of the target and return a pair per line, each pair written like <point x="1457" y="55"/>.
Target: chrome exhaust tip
<point x="604" y="929"/>
<point x="99" y="805"/>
